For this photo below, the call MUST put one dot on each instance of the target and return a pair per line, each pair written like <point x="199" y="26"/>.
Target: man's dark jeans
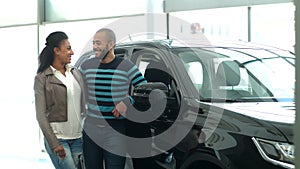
<point x="99" y="143"/>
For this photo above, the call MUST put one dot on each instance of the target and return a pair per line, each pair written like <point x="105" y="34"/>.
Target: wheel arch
<point x="208" y="159"/>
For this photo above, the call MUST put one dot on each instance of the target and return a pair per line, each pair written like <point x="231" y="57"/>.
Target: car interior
<point x="155" y="70"/>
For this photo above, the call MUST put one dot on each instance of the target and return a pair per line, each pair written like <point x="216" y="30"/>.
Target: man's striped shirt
<point x="108" y="84"/>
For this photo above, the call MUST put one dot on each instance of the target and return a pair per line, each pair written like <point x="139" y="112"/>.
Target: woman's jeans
<point x="73" y="148"/>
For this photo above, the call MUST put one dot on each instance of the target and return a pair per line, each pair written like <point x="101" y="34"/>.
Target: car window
<point x="272" y="73"/>
<point x="194" y="69"/>
<point x="121" y="52"/>
<point x="152" y="66"/>
<point x="234" y="77"/>
<point x="142" y="66"/>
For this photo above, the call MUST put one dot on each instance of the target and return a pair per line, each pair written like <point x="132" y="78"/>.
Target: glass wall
<point x="57" y="10"/>
<point x="222" y="23"/>
<point x="20" y="145"/>
<point x="270" y="24"/>
<point x="14" y="12"/>
<point x="126" y="29"/>
<point x="79" y="33"/>
<point x="274" y="25"/>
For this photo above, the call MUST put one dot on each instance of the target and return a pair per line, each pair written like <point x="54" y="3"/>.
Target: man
<point x="108" y="78"/>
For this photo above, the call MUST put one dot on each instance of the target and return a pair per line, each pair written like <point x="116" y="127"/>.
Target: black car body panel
<point x="228" y="132"/>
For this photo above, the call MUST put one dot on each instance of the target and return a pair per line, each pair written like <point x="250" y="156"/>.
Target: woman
<point x="59" y="102"/>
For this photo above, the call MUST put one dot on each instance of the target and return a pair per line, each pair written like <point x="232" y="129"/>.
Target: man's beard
<point x="104" y="53"/>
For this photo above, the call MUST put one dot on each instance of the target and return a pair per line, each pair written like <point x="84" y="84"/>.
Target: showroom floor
<point x="20" y="142"/>
<point x="38" y="161"/>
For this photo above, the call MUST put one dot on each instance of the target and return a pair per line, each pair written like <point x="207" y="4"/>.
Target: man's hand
<point x="120" y="109"/>
<point x="60" y="151"/>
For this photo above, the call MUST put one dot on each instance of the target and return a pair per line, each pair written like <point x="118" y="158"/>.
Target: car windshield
<point x="240" y="74"/>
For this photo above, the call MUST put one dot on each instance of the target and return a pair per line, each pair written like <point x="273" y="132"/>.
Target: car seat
<point x="157" y="72"/>
<point x="228" y="76"/>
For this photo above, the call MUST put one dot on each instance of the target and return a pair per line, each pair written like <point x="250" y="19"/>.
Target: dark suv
<point x="232" y="103"/>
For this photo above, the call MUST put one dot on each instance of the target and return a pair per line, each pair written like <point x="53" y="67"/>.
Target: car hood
<point x="279" y="112"/>
<point x="279" y="115"/>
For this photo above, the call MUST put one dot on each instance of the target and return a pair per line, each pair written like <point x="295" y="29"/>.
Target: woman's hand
<point x="60" y="151"/>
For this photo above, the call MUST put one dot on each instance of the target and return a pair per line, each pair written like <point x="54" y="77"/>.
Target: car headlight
<point x="278" y="153"/>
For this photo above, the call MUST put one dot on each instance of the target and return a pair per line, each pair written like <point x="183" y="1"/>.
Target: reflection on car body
<point x="241" y="96"/>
